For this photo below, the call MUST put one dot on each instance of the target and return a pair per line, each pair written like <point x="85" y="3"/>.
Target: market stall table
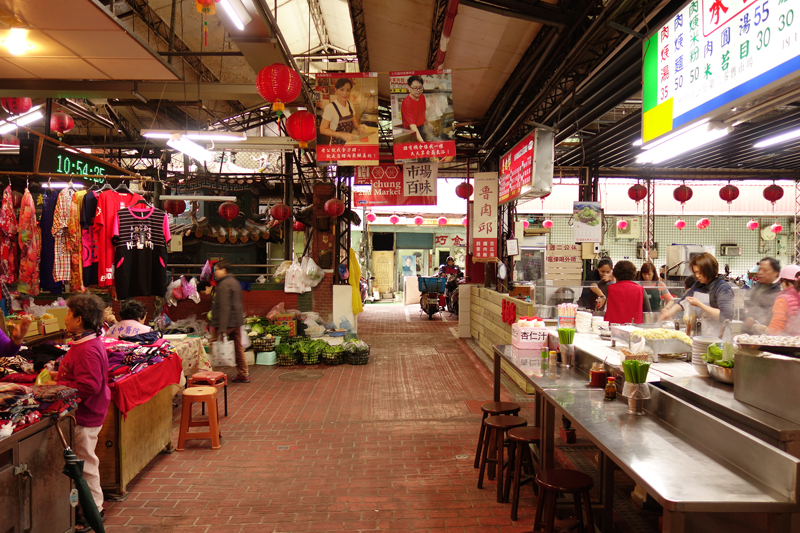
<point x="194" y="357"/>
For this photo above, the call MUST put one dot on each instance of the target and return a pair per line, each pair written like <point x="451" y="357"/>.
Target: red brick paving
<point x="371" y="448"/>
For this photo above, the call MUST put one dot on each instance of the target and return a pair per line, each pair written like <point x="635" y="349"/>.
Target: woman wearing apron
<point x="338" y="120"/>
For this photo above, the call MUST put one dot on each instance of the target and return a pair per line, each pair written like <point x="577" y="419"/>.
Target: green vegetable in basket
<point x="284" y="349"/>
<point x="713" y="354"/>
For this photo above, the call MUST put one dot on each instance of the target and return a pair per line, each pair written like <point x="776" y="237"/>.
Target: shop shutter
<point x="413" y="240"/>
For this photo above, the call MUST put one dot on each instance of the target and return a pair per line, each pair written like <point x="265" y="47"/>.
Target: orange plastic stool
<point x="191" y="396"/>
<point x="210" y="379"/>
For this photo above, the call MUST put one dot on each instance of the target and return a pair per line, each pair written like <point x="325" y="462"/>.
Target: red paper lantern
<point x="773" y="193"/>
<point x="464" y="190"/>
<point x="525" y="224"/>
<point x="334" y="207"/>
<point x="228" y="210"/>
<point x="442" y="221"/>
<point x="776" y="228"/>
<point x="682" y="194"/>
<point x="278" y="84"/>
<point x="394" y="219"/>
<point x="752" y="225"/>
<point x="298" y="226"/>
<point x="547" y="224"/>
<point x="175" y="207"/>
<point x="371" y="217"/>
<point x="16" y="105"/>
<point x="680" y="224"/>
<point x="729" y="193"/>
<point x="280" y="211"/>
<point x="61" y="123"/>
<point x="418" y="220"/>
<point x="703" y="223"/>
<point x="302" y="127"/>
<point x="206" y="6"/>
<point x="8" y="141"/>
<point x="637" y="193"/>
<point x="622" y="224"/>
<point x="464" y="221"/>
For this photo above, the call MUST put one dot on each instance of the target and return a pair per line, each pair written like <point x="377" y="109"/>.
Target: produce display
<point x="661" y="334"/>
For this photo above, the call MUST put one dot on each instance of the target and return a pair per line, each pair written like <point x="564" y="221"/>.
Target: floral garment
<point x="8" y="238"/>
<point x="30" y="244"/>
<point x="75" y="242"/>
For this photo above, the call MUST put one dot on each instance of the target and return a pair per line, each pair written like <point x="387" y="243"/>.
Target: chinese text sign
<point x="484" y="214"/>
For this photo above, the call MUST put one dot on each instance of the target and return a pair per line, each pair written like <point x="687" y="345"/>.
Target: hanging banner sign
<point x="484" y="214"/>
<point x="714" y="55"/>
<point x="422" y="116"/>
<point x="393" y="185"/>
<point x="527" y="167"/>
<point x="347" y="114"/>
<point x="587" y="222"/>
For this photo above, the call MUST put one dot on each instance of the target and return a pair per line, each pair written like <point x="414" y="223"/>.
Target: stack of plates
<point x="699" y="347"/>
<point x="596" y="320"/>
<point x="583" y="322"/>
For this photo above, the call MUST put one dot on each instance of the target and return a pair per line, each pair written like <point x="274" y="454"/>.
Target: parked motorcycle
<point x="431" y="288"/>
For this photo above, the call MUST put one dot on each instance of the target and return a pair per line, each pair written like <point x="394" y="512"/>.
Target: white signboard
<point x="484" y="213"/>
<point x="419" y="179"/>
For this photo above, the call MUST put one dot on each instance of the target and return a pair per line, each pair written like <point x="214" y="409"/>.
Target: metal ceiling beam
<point x="439" y="14"/>
<point x="122" y="89"/>
<point x="319" y="22"/>
<point x="359" y="33"/>
<point x="539" y="12"/>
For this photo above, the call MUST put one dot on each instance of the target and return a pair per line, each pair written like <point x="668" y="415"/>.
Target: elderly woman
<point x="626" y="298"/>
<point x="786" y="307"/>
<point x="133" y="314"/>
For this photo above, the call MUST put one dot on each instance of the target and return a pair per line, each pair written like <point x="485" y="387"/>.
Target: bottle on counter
<point x="553" y="359"/>
<point x="597" y="375"/>
<point x="611" y="389"/>
<point x="545" y="358"/>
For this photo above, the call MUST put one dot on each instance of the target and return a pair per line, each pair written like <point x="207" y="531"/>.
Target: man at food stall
<point x="593" y="297"/>
<point x="626" y="298"/>
<point x="784" y="319"/>
<point x="761" y="297"/>
<point x="711" y="297"/>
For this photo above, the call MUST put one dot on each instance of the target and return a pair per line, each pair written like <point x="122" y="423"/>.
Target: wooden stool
<point x="552" y="482"/>
<point x="193" y="395"/>
<point x="497" y="427"/>
<point x="210" y="379"/>
<point x="492" y="409"/>
<point x="519" y="455"/>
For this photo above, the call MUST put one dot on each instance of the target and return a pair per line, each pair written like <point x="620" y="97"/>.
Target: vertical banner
<point x="484" y="237"/>
<point x="588" y="222"/>
<point x="391" y="185"/>
<point x="422" y="116"/>
<point x="347" y="115"/>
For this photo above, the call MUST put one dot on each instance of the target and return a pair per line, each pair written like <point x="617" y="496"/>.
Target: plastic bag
<point x="223" y="353"/>
<point x="280" y="272"/>
<point x="170" y="297"/>
<point x="205" y="273"/>
<point x="314" y="274"/>
<point x="313" y="329"/>
<point x="294" y="283"/>
<point x="245" y="338"/>
<point x="345" y="324"/>
<point x="190" y="289"/>
<point x="43" y="377"/>
<point x="277" y="310"/>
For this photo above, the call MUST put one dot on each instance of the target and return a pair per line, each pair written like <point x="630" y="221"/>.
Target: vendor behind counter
<point x="626" y="298"/>
<point x="595" y="295"/>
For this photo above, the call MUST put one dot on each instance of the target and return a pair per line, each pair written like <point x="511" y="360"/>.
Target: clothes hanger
<point x="122" y="188"/>
<point x="147" y="205"/>
<point x="106" y="186"/>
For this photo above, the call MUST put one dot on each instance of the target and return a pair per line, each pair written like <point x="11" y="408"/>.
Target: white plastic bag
<point x="294" y="279"/>
<point x="313" y="273"/>
<point x="223" y="353"/>
<point x="169" y="296"/>
<point x="280" y="272"/>
<point x="245" y="338"/>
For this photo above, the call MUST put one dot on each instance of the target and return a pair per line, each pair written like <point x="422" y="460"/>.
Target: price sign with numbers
<point x="714" y="55"/>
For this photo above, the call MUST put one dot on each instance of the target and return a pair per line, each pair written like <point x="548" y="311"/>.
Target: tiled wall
<point x="723" y="230"/>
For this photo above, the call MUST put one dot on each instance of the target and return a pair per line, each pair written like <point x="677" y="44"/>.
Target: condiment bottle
<point x="611" y="389"/>
<point x="553" y="359"/>
<point x="545" y="355"/>
<point x="597" y="375"/>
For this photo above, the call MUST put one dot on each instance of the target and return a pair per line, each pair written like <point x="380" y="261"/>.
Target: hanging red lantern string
<point x="752" y="225"/>
<point x="682" y="194"/>
<point x="394" y="219"/>
<point x="773" y="193"/>
<point x="280" y="212"/>
<point x="547" y="224"/>
<point x="8" y="141"/>
<point x="334" y="207"/>
<point x="174" y="207"/>
<point x="637" y="193"/>
<point x="302" y="127"/>
<point x="703" y="223"/>
<point x="622" y="224"/>
<point x="278" y="84"/>
<point x="418" y="220"/>
<point x="16" y="105"/>
<point x="205" y="7"/>
<point x="525" y="224"/>
<point x="442" y="221"/>
<point x="371" y="217"/>
<point x="776" y="228"/>
<point x="298" y="226"/>
<point x="729" y="193"/>
<point x="61" y="123"/>
<point x="464" y="190"/>
<point x="228" y="211"/>
<point x="545" y="196"/>
<point x="464" y="221"/>
<point x="680" y="224"/>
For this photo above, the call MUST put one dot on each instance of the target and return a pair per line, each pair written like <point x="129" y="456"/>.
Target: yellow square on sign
<point x="657" y="121"/>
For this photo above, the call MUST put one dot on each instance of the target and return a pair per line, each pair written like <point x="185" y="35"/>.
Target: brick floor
<point x="370" y="447"/>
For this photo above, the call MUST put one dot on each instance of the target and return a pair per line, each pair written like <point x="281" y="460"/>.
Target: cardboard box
<point x="33" y="329"/>
<point x="61" y="314"/>
<point x="292" y="324"/>
<point x="529" y="338"/>
<point x="49" y="325"/>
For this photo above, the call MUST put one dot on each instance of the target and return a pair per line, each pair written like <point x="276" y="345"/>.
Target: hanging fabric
<point x="107" y="206"/>
<point x="30" y="240"/>
<point x="62" y="261"/>
<point x="75" y="242"/>
<point x="88" y="212"/>
<point x="48" y="244"/>
<point x="8" y="238"/>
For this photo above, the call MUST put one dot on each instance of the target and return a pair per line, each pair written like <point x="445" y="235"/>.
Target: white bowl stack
<point x="583" y="322"/>
<point x="699" y="348"/>
<point x="596" y="320"/>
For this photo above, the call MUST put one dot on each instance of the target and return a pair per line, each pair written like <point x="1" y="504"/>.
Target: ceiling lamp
<point x="192" y="149"/>
<point x="278" y="84"/>
<point x="226" y="136"/>
<point x="752" y="225"/>
<point x="637" y="193"/>
<point x="17" y="42"/>
<point x="16" y="105"/>
<point x="418" y="220"/>
<point x="680" y="224"/>
<point x="788" y="136"/>
<point x="12" y="122"/>
<point x="683" y="141"/>
<point x="237" y="13"/>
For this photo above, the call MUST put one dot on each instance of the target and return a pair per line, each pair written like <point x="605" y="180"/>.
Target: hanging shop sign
<point x="527" y="169"/>
<point x="449" y="240"/>
<point x="422" y="116"/>
<point x="484" y="214"/>
<point x="587" y="222"/>
<point x="347" y="111"/>
<point x="714" y="55"/>
<point x="413" y="184"/>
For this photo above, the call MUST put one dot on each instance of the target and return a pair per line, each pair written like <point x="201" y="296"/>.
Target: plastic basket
<point x="263" y="345"/>
<point x="308" y="358"/>
<point x="332" y="358"/>
<point x="361" y="358"/>
<point x="287" y="359"/>
<point x="432" y="284"/>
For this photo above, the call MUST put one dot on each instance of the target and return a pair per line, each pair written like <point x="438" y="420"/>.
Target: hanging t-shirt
<point x="48" y="253"/>
<point x="107" y="206"/>
<point x="140" y="239"/>
<point x="89" y="243"/>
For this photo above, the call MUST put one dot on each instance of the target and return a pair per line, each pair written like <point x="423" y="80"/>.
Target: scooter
<point x="429" y="302"/>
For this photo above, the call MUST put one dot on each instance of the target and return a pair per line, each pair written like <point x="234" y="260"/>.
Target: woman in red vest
<point x="626" y="299"/>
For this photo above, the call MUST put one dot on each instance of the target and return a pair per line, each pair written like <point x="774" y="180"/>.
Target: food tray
<point x="761" y="343"/>
<point x="668" y="348"/>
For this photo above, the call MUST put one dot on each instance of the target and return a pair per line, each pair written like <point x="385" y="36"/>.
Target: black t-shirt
<point x="588" y="298"/>
<point x="140" y="253"/>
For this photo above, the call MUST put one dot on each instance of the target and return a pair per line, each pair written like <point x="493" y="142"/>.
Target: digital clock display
<point x="58" y="161"/>
<point x="70" y="164"/>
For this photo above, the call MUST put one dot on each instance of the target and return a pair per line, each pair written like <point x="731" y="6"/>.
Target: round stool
<point x="191" y="396"/>
<point x="491" y="409"/>
<point x="497" y="426"/>
<point x="519" y="457"/>
<point x="210" y="379"/>
<point x="560" y="480"/>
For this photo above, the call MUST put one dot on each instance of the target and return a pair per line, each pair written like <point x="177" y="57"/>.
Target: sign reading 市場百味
<point x="714" y="55"/>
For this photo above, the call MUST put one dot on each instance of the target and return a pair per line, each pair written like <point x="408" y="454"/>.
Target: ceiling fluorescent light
<point x="683" y="142"/>
<point x="23" y="120"/>
<point x="193" y="150"/>
<point x="228" y="136"/>
<point x="788" y="136"/>
<point x="637" y="142"/>
<point x="237" y="12"/>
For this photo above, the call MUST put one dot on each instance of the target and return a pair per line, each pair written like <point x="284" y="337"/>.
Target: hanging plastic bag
<point x="277" y="310"/>
<point x="190" y="291"/>
<point x="280" y="272"/>
<point x="169" y="296"/>
<point x="245" y="337"/>
<point x="205" y="273"/>
<point x="294" y="279"/>
<point x="345" y="324"/>
<point x="314" y="274"/>
<point x="223" y="353"/>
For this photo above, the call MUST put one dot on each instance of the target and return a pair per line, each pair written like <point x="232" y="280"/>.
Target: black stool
<point x="519" y="457"/>
<point x="497" y="426"/>
<point x="559" y="480"/>
<point x="492" y="409"/>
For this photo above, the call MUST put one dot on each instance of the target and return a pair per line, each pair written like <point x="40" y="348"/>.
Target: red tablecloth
<point x="140" y="387"/>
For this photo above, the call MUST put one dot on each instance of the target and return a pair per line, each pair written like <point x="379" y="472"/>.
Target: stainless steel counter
<point x="717" y="398"/>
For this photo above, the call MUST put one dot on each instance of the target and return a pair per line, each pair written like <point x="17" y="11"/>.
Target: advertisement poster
<point x="422" y="116"/>
<point x="386" y="184"/>
<point x="587" y="222"/>
<point x="347" y="118"/>
<point x="516" y="168"/>
<point x="484" y="214"/>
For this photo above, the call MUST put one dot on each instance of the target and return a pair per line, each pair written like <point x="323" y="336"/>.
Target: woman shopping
<point x="654" y="289"/>
<point x="593" y="297"/>
<point x="626" y="298"/>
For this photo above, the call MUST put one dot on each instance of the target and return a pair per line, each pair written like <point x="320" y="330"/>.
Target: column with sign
<point x="484" y="243"/>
